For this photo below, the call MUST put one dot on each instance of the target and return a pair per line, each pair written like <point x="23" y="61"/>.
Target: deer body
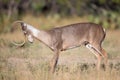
<point x="60" y="39"/>
<point x="70" y="36"/>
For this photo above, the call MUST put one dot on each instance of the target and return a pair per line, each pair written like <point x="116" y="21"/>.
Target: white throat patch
<point x="33" y="30"/>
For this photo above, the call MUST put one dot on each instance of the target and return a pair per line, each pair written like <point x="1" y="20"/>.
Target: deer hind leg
<point x="105" y="57"/>
<point x="54" y="61"/>
<point x="96" y="53"/>
<point x="103" y="53"/>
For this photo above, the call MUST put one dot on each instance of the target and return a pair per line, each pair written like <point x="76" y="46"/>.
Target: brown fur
<point x="63" y="38"/>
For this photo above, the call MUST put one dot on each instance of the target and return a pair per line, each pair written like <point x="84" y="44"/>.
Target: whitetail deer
<point x="63" y="38"/>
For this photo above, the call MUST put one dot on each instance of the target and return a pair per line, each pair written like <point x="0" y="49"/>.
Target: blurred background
<point x="31" y="61"/>
<point x="104" y="12"/>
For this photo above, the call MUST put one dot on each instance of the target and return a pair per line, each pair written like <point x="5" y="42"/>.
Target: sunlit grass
<point x="31" y="62"/>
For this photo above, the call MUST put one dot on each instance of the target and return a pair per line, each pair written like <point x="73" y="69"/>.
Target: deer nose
<point x="30" y="39"/>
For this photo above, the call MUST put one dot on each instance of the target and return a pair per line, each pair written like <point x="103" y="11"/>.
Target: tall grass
<point x="31" y="62"/>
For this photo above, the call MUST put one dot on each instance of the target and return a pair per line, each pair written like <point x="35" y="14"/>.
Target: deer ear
<point x="24" y="26"/>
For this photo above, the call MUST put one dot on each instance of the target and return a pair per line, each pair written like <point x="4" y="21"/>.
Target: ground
<point x="31" y="62"/>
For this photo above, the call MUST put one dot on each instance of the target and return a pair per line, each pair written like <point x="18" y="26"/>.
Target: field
<point x="31" y="62"/>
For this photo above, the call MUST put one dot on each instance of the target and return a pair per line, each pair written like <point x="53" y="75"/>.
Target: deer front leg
<point x="54" y="61"/>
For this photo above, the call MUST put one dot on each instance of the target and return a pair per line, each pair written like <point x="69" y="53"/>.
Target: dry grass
<point x="31" y="62"/>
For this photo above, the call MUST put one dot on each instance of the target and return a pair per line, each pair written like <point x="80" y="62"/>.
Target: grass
<point x="32" y="61"/>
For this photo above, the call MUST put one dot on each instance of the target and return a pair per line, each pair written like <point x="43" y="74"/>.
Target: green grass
<point x="32" y="61"/>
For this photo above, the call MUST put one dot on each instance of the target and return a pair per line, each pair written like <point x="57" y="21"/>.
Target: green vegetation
<point x="31" y="62"/>
<point x="103" y="12"/>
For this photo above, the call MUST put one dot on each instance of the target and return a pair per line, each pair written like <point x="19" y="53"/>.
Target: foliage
<point x="108" y="19"/>
<point x="11" y="10"/>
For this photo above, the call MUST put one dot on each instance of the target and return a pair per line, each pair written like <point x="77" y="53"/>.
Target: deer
<point x="58" y="39"/>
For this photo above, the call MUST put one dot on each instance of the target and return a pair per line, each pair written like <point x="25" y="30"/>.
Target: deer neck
<point x="40" y="35"/>
<point x="44" y="37"/>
